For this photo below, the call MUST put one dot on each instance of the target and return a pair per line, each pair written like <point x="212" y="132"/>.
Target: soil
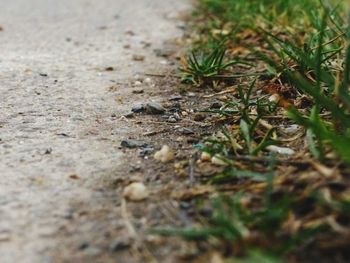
<point x="70" y="73"/>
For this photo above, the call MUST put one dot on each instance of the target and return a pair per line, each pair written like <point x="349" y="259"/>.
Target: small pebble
<point x="165" y="154"/>
<point x="129" y="32"/>
<point x="216" y="105"/>
<point x="154" y="108"/>
<point x="186" y="131"/>
<point x="148" y="80"/>
<point x="133" y="144"/>
<point x="274" y="98"/>
<point x="199" y="117"/>
<point x="138" y="91"/>
<point x="138" y="58"/>
<point x="292" y="129"/>
<point x="129" y="115"/>
<point x="5" y="236"/>
<point x="84" y="245"/>
<point x="136" y="191"/>
<point x="172" y="119"/>
<point x="217" y="160"/>
<point x="175" y="98"/>
<point x="281" y="150"/>
<point x="138" y="109"/>
<point x="205" y="157"/>
<point x="137" y="83"/>
<point x="120" y="244"/>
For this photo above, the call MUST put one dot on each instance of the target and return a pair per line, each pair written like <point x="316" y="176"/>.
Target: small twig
<point x="151" y="133"/>
<point x="268" y="159"/>
<point x="238" y="75"/>
<point x="128" y="224"/>
<point x="133" y="234"/>
<point x="160" y="75"/>
<point x="229" y="90"/>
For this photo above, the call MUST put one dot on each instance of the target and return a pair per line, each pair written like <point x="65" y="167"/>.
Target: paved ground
<point x="59" y="123"/>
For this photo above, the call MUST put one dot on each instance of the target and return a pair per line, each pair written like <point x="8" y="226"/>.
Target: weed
<point x="326" y="91"/>
<point x="199" y="69"/>
<point x="304" y="46"/>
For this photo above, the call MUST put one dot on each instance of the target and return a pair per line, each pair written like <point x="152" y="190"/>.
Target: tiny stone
<point x="48" y="151"/>
<point x="133" y="144"/>
<point x="216" y="105"/>
<point x="137" y="83"/>
<point x="138" y="91"/>
<point x="165" y="154"/>
<point x="146" y="151"/>
<point x="205" y="157"/>
<point x="84" y="245"/>
<point x="120" y="244"/>
<point x="217" y="160"/>
<point x="199" y="117"/>
<point x="129" y="115"/>
<point x="223" y="98"/>
<point x="274" y="98"/>
<point x="172" y="119"/>
<point x="155" y="108"/>
<point x="138" y="58"/>
<point x="292" y="129"/>
<point x="186" y="131"/>
<point x="175" y="98"/>
<point x="135" y="192"/>
<point x="5" y="236"/>
<point x="148" y="80"/>
<point x="280" y="150"/>
<point x="130" y="32"/>
<point x="138" y="109"/>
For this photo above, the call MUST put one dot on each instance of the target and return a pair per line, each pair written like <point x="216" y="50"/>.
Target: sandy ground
<point x="60" y="125"/>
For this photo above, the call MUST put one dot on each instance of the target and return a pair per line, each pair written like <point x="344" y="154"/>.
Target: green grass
<point x="326" y="83"/>
<point x="302" y="46"/>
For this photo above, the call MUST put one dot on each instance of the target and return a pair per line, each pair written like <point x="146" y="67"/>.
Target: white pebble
<point x="292" y="129"/>
<point x="148" y="80"/>
<point x="137" y="83"/>
<point x="165" y="154"/>
<point x="136" y="191"/>
<point x="274" y="98"/>
<point x="205" y="157"/>
<point x="280" y="150"/>
<point x="217" y="160"/>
